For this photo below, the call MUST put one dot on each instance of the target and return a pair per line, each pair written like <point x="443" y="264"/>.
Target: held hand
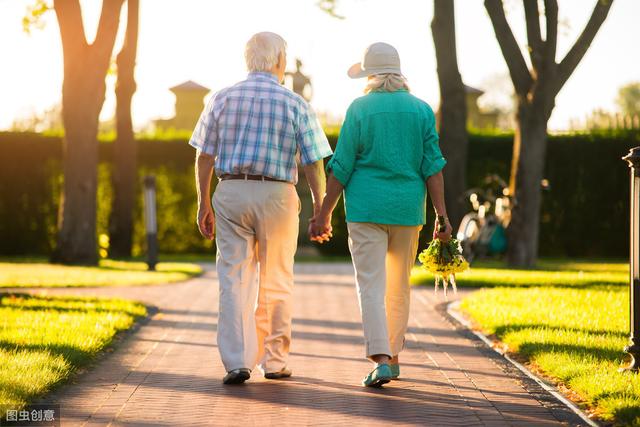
<point x="317" y="207"/>
<point x="443" y="233"/>
<point x="206" y="222"/>
<point x="320" y="229"/>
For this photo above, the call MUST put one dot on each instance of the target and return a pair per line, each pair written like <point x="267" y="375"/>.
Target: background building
<point x="189" y="104"/>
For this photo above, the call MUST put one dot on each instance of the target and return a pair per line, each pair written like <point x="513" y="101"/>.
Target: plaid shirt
<point x="258" y="127"/>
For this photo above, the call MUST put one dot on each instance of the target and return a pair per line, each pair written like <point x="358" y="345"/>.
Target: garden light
<point x="633" y="349"/>
<point x="150" y="220"/>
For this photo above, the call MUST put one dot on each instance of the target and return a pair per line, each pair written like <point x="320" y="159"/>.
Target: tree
<point x="629" y="99"/>
<point x="454" y="140"/>
<point x="499" y="98"/>
<point x="124" y="172"/>
<point x="49" y="120"/>
<point x="83" y="93"/>
<point x="536" y="87"/>
<point x="329" y="6"/>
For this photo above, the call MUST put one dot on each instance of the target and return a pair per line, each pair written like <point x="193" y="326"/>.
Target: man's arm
<point x="435" y="188"/>
<point x="317" y="183"/>
<point x="320" y="228"/>
<point x="204" y="173"/>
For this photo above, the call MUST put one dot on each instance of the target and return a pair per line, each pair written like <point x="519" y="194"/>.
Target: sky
<point x="203" y="40"/>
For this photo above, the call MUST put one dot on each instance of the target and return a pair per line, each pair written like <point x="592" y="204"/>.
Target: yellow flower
<point x="443" y="260"/>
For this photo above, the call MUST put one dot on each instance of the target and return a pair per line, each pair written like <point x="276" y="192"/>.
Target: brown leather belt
<point x="248" y="177"/>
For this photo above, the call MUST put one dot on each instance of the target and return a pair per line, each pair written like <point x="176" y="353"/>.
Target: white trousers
<point x="383" y="256"/>
<point x="256" y="238"/>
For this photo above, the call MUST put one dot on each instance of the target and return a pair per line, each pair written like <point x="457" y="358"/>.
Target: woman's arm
<point x="340" y="168"/>
<point x="320" y="225"/>
<point x="435" y="188"/>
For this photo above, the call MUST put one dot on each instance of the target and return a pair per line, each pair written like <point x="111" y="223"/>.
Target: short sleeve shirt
<point x="259" y="127"/>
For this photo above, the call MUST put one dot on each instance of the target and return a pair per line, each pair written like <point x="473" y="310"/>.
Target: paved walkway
<point x="169" y="372"/>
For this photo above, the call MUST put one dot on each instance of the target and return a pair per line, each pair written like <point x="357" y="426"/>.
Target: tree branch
<point x="509" y="46"/>
<point x="551" y="44"/>
<point x="444" y="38"/>
<point x="130" y="45"/>
<point x="69" y="17"/>
<point x="532" y="16"/>
<point x="102" y="46"/>
<point x="575" y="55"/>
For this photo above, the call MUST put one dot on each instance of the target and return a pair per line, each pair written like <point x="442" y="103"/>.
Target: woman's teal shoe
<point x="395" y="371"/>
<point x="380" y="375"/>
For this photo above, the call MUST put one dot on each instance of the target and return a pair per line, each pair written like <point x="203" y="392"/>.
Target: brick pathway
<point x="169" y="372"/>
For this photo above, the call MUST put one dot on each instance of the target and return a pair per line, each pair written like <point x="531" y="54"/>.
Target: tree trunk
<point x="83" y="91"/>
<point x="125" y="150"/>
<point x="527" y="170"/>
<point x="536" y="88"/>
<point x="82" y="99"/>
<point x="453" y="110"/>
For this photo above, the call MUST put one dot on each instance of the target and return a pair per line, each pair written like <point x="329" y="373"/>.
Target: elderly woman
<point x="386" y="152"/>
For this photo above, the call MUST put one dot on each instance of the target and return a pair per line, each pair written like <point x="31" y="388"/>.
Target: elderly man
<point x="250" y="134"/>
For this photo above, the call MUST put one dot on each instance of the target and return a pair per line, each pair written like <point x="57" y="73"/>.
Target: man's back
<point x="257" y="126"/>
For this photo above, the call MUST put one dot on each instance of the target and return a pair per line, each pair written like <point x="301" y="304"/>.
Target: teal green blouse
<point x="388" y="147"/>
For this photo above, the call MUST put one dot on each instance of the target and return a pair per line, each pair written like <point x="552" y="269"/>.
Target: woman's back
<point x="388" y="147"/>
<point x="392" y="126"/>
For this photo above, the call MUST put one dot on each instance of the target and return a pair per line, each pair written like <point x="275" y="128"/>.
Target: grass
<point x="44" y="340"/>
<point x="566" y="273"/>
<point x="569" y="321"/>
<point x="38" y="273"/>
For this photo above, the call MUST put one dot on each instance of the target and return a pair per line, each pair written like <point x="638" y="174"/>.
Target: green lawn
<point x="549" y="272"/>
<point x="37" y="273"/>
<point x="44" y="340"/>
<point x="570" y="322"/>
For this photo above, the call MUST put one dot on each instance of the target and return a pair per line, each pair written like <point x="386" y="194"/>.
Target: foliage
<point x="44" y="340"/>
<point x="629" y="99"/>
<point x="38" y="273"/>
<point x="33" y="17"/>
<point x="570" y="323"/>
<point x="29" y="201"/>
<point x="329" y="6"/>
<point x="50" y="121"/>
<point x="588" y="197"/>
<point x="587" y="200"/>
<point x="499" y="98"/>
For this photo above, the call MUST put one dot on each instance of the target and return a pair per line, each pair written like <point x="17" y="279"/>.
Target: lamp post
<point x="633" y="349"/>
<point x="150" y="221"/>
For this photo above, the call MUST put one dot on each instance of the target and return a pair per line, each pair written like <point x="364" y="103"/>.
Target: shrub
<point x="585" y="212"/>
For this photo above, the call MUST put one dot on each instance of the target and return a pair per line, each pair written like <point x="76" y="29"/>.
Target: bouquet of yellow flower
<point x="444" y="260"/>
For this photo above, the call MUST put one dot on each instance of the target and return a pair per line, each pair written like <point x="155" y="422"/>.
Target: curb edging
<point x="452" y="311"/>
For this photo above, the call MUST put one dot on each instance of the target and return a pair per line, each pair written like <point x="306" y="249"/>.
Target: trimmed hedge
<point x="30" y="183"/>
<point x="584" y="213"/>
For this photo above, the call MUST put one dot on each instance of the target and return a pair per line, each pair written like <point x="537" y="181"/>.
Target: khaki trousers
<point x="383" y="256"/>
<point x="256" y="238"/>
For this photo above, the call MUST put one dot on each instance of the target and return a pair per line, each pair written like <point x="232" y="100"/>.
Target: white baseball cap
<point x="379" y="58"/>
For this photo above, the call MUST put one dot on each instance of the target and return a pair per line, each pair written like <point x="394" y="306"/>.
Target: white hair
<point x="386" y="83"/>
<point x="263" y="51"/>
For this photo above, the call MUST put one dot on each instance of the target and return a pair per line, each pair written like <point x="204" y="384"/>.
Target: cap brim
<point x="356" y="71"/>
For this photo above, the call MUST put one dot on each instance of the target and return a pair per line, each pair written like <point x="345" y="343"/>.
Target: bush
<point x="585" y="212"/>
<point x="31" y="180"/>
